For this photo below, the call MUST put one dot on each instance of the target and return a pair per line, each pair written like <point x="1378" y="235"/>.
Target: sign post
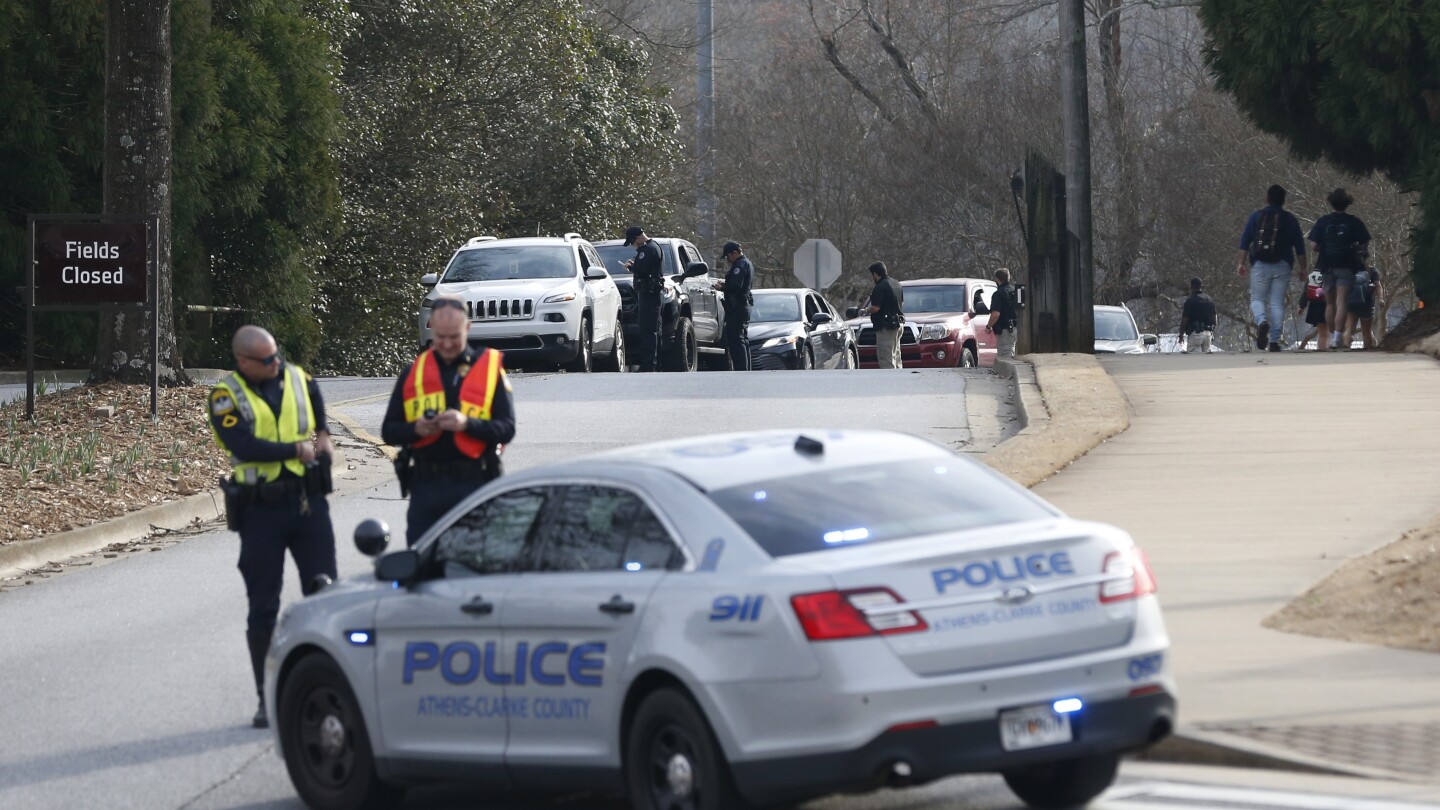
<point x="817" y="263"/>
<point x="91" y="262"/>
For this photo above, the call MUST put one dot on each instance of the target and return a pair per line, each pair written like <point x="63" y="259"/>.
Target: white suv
<point x="543" y="301"/>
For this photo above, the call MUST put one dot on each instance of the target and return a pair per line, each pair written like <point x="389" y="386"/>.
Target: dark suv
<point x="692" y="319"/>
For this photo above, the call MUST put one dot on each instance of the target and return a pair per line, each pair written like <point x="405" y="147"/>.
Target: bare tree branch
<point x="832" y="55"/>
<point x="902" y="63"/>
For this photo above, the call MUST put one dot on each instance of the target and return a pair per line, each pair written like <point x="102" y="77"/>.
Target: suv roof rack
<point x="479" y="239"/>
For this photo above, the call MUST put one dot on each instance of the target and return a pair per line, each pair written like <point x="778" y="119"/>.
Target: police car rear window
<point x="873" y="504"/>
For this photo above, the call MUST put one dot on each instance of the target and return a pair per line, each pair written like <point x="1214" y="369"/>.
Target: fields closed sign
<point x="85" y="264"/>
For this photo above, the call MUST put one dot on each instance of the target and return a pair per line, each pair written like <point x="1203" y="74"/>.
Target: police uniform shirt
<point x="238" y="433"/>
<point x="738" y="281"/>
<point x="648" y="262"/>
<point x="498" y="429"/>
<point x="1003" y="301"/>
<point x="1199" y="313"/>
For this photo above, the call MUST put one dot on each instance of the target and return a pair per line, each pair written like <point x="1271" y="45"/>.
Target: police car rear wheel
<point x="672" y="759"/>
<point x="327" y="750"/>
<point x="1068" y="783"/>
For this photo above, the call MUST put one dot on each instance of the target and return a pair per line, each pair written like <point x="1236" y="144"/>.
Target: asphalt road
<point x="126" y="679"/>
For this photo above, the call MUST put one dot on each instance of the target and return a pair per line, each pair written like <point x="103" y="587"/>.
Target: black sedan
<point x="797" y="328"/>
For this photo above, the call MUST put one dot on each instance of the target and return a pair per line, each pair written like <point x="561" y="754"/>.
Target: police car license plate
<point x="1033" y="727"/>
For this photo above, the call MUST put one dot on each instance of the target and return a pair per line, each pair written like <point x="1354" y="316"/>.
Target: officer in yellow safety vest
<point x="263" y="416"/>
<point x="452" y="412"/>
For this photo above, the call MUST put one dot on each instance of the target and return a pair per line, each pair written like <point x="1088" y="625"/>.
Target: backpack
<point x="1362" y="292"/>
<point x="1267" y="245"/>
<point x="1337" y="244"/>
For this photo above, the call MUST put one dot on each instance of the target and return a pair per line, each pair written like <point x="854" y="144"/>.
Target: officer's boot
<point x="259" y="641"/>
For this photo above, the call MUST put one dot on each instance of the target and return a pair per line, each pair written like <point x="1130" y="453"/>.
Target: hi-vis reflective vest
<point x="424" y="391"/>
<point x="294" y="423"/>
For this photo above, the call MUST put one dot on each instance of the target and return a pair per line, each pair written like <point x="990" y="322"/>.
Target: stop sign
<point x="817" y="263"/>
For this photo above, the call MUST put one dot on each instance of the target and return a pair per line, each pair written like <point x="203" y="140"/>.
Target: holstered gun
<point x="404" y="470"/>
<point x="236" y="499"/>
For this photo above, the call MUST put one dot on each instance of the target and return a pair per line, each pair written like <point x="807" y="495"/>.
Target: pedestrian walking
<point x="736" y="285"/>
<point x="1361" y="310"/>
<point x="1270" y="246"/>
<point x="451" y="412"/>
<point x="886" y="316"/>
<point x="1004" y="322"/>
<point x="1341" y="244"/>
<point x="264" y="415"/>
<point x="647" y="270"/>
<point x="1197" y="319"/>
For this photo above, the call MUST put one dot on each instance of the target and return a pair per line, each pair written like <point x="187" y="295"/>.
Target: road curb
<point x="1217" y="748"/>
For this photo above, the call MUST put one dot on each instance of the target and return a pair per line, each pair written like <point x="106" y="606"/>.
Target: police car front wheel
<point x="1067" y="783"/>
<point x="327" y="749"/>
<point x="672" y="759"/>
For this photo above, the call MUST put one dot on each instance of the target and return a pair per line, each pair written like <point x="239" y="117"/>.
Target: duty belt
<point x="463" y="470"/>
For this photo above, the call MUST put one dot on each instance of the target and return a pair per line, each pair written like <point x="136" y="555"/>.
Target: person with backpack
<point x="1270" y="245"/>
<point x="1362" y="306"/>
<point x="1341" y="243"/>
<point x="1312" y="306"/>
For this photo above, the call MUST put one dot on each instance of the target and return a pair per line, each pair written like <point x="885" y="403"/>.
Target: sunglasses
<point x="447" y="303"/>
<point x="264" y="361"/>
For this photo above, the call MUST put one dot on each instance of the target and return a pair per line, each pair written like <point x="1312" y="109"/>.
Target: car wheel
<point x="806" y="358"/>
<point x="1067" y="783"/>
<point x="852" y="358"/>
<point x="967" y="357"/>
<point x="581" y="363"/>
<point x="681" y="352"/>
<point x="324" y="741"/>
<point x="618" y="360"/>
<point x="672" y="761"/>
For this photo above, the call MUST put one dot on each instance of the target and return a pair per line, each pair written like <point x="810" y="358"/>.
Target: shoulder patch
<point x="221" y="402"/>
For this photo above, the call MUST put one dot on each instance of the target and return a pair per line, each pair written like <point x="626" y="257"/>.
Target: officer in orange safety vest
<point x="451" y="411"/>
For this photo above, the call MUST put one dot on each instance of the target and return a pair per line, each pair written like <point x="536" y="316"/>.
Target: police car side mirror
<point x="430" y="279"/>
<point x="1150" y="340"/>
<point x="371" y="537"/>
<point x="852" y="312"/>
<point x="696" y="269"/>
<point x="398" y="566"/>
<point x="595" y="273"/>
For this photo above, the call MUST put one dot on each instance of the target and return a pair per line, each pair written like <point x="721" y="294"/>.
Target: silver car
<point x="729" y="621"/>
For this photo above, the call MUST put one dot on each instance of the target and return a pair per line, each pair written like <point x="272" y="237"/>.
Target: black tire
<point x="805" y="358"/>
<point x="681" y="353"/>
<point x="852" y="357"/>
<point x="618" y="360"/>
<point x="1068" y="783"/>
<point x="325" y="743"/>
<point x="582" y="363"/>
<point x="671" y="746"/>
<point x="967" y="357"/>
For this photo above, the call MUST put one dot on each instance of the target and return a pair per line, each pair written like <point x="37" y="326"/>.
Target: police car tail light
<point x="1140" y="582"/>
<point x="831" y="615"/>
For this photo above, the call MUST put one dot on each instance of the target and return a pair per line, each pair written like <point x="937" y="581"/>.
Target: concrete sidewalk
<point x="1216" y="478"/>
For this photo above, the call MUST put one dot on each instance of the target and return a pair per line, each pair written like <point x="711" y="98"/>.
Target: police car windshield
<point x="775" y="307"/>
<point x="1112" y="325"/>
<point x="615" y="256"/>
<point x="504" y="263"/>
<point x="935" y="298"/>
<point x="872" y="504"/>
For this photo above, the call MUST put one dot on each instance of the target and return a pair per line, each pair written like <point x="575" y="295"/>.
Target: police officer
<point x="1004" y="322"/>
<point x="1197" y="319"/>
<point x="263" y="416"/>
<point x="646" y="268"/>
<point x="451" y="411"/>
<point x="736" y="286"/>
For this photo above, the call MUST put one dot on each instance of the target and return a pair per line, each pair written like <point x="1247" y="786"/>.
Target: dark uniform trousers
<point x="647" y="318"/>
<point x="737" y="342"/>
<point x="430" y="499"/>
<point x="267" y="529"/>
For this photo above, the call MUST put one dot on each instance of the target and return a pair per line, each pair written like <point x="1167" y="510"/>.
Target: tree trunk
<point x="138" y="142"/>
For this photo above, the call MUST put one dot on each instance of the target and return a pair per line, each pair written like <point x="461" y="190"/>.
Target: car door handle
<point x="617" y="606"/>
<point x="478" y="607"/>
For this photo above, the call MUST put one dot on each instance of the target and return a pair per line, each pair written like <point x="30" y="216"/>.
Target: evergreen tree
<point x="1356" y="82"/>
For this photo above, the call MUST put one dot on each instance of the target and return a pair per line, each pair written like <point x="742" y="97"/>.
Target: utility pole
<point x="705" y="120"/>
<point x="1075" y="111"/>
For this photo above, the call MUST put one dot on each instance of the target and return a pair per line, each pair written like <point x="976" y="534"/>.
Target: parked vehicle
<point x="1117" y="333"/>
<point x="943" y="328"/>
<point x="543" y="301"/>
<point x="796" y="328"/>
<point x="692" y="319"/>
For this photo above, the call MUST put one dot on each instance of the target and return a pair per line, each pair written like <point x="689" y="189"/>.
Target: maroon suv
<point x="942" y="326"/>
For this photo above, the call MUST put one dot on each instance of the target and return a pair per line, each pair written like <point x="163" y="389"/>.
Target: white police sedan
<point x="731" y="621"/>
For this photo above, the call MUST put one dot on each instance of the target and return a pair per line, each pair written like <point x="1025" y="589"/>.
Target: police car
<point x="730" y="621"/>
